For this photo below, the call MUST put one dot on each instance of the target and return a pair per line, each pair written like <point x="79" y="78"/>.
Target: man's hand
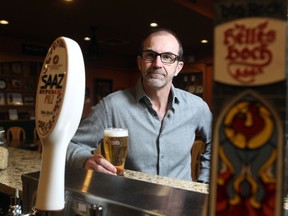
<point x="100" y="164"/>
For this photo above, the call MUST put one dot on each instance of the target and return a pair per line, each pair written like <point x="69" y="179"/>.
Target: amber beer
<point x="115" y="147"/>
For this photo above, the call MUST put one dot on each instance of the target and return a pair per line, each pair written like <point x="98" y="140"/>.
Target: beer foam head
<point x="116" y="132"/>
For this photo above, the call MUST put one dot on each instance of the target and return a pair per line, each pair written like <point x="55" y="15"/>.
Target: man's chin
<point x="156" y="83"/>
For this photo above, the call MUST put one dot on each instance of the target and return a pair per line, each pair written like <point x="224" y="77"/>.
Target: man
<point x="161" y="119"/>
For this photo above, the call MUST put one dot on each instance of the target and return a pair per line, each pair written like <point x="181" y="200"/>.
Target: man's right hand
<point x="98" y="163"/>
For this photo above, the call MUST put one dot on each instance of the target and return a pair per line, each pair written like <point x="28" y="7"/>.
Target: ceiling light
<point x="87" y="38"/>
<point x="204" y="41"/>
<point x="153" y="24"/>
<point x="4" y="22"/>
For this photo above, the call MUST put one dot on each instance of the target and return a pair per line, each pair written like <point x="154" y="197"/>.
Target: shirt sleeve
<point x="87" y="136"/>
<point x="206" y="133"/>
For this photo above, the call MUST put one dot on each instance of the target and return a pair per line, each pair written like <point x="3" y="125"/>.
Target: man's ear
<point x="179" y="67"/>
<point x="139" y="63"/>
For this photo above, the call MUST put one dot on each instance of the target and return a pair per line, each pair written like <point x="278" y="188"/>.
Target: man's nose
<point x="158" y="61"/>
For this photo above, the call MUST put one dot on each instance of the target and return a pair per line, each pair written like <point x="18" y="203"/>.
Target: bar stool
<point x="16" y="136"/>
<point x="197" y="150"/>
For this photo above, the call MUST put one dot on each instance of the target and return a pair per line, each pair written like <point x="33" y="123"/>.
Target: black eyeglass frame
<point x="176" y="57"/>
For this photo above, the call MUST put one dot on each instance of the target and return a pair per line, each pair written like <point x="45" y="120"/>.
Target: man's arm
<point x="206" y="133"/>
<point x="87" y="137"/>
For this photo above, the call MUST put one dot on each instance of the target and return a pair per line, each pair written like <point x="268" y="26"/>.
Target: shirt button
<point x="162" y="156"/>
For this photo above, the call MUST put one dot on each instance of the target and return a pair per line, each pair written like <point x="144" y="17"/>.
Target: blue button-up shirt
<point x="155" y="146"/>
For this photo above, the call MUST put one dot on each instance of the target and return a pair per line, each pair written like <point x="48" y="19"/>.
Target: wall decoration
<point x="14" y="99"/>
<point x="3" y="84"/>
<point x="248" y="142"/>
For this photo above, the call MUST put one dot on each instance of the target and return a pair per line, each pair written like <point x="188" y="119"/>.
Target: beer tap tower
<point x="250" y="101"/>
<point x="59" y="106"/>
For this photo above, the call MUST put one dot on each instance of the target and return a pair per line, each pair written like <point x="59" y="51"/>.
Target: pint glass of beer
<point x="115" y="147"/>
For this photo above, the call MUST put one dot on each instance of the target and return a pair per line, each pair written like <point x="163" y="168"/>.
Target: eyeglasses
<point x="166" y="57"/>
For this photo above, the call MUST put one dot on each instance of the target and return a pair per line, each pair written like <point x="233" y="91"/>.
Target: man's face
<point x="156" y="73"/>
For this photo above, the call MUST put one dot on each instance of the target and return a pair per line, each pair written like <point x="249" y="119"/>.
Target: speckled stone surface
<point x="24" y="161"/>
<point x="19" y="162"/>
<point x="186" y="185"/>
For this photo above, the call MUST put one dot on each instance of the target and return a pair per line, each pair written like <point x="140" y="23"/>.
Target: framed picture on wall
<point x="102" y="87"/>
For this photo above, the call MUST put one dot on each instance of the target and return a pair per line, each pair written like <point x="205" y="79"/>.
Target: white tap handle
<point x="59" y="105"/>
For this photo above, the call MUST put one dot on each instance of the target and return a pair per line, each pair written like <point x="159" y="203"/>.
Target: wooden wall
<point x="121" y="70"/>
<point x="121" y="78"/>
<point x="123" y="73"/>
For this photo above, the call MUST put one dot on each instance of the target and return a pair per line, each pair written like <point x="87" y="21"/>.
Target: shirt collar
<point x="140" y="93"/>
<point x="175" y="99"/>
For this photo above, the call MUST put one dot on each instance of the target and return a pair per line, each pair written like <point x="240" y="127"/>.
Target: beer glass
<point x="115" y="147"/>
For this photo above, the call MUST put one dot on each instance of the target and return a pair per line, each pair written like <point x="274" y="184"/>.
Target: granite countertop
<point x="25" y="161"/>
<point x="20" y="162"/>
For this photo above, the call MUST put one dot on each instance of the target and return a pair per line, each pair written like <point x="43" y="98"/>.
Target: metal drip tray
<point x="92" y="193"/>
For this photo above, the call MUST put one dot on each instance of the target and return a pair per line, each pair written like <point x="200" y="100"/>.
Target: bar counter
<point x="26" y="161"/>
